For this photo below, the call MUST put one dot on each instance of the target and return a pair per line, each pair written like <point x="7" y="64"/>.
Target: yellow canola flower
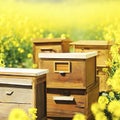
<point x="114" y="51"/>
<point x="18" y="114"/>
<point x="63" y="36"/>
<point x="95" y="108"/>
<point x="108" y="63"/>
<point x="21" y="50"/>
<point x="32" y="113"/>
<point x="79" y="116"/>
<point x="116" y="85"/>
<point x="115" y="81"/>
<point x="2" y="64"/>
<point x="103" y="101"/>
<point x="111" y="94"/>
<point x="114" y="108"/>
<point x="15" y="43"/>
<point x="29" y="55"/>
<point x="100" y="116"/>
<point x="109" y="82"/>
<point x="105" y="69"/>
<point x="50" y="35"/>
<point x="115" y="118"/>
<point x="34" y="66"/>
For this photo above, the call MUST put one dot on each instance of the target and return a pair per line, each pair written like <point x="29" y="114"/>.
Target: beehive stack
<point x="102" y="47"/>
<point x="71" y="83"/>
<point x="22" y="88"/>
<point x="45" y="45"/>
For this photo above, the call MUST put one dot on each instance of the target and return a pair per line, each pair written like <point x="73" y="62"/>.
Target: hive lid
<point x="48" y="40"/>
<point x="22" y="71"/>
<point x="83" y="55"/>
<point x="92" y="43"/>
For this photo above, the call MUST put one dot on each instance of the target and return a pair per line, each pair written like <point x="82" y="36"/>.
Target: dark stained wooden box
<point x="71" y="83"/>
<point x="64" y="103"/>
<point x="22" y="88"/>
<point x="57" y="45"/>
<point x="69" y="70"/>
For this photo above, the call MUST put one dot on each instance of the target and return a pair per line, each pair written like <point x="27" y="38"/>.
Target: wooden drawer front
<point x="65" y="106"/>
<point x="5" y="109"/>
<point x="79" y="74"/>
<point x="13" y="80"/>
<point x="15" y="94"/>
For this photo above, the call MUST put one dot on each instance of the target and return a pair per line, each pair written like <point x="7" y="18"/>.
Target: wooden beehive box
<point x="71" y="83"/>
<point x="102" y="47"/>
<point x="22" y="88"/>
<point x="69" y="70"/>
<point x="54" y="45"/>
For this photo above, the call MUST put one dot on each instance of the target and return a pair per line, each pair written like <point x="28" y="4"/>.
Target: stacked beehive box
<point x="22" y="88"/>
<point x="54" y="45"/>
<point x="102" y="47"/>
<point x="71" y="83"/>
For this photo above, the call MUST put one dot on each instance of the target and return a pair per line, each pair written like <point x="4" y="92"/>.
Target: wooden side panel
<point x="90" y="71"/>
<point x="102" y="80"/>
<point x="40" y="98"/>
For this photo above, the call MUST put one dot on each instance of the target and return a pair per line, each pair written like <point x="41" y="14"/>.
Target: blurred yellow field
<point x="22" y="21"/>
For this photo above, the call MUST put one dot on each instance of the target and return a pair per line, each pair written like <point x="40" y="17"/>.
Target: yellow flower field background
<point x="22" y="20"/>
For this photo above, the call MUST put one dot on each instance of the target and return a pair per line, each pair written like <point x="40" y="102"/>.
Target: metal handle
<point x="9" y="92"/>
<point x="63" y="98"/>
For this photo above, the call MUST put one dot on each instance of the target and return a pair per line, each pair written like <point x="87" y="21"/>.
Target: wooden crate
<point x="65" y="103"/>
<point x="102" y="47"/>
<point x="22" y="88"/>
<point x="69" y="70"/>
<point x="45" y="45"/>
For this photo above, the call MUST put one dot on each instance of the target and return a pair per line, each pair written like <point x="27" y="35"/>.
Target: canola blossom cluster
<point x="20" y="114"/>
<point x="108" y="105"/>
<point x="22" y="21"/>
<point x="19" y="26"/>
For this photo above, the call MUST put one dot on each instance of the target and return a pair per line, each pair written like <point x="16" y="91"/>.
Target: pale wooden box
<point x="22" y="88"/>
<point x="54" y="45"/>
